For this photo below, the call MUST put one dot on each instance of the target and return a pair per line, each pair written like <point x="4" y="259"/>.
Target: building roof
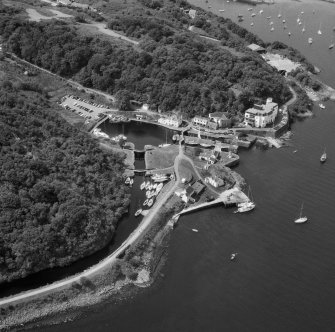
<point x="198" y="187"/>
<point x="200" y="118"/>
<point x="256" y="48"/>
<point x="219" y="115"/>
<point x="262" y="109"/>
<point x="189" y="191"/>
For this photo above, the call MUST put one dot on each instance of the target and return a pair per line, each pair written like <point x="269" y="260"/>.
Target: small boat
<point x="284" y="21"/>
<point x="252" y="24"/>
<point x="127" y="180"/>
<point x="298" y="19"/>
<point x="147" y="185"/>
<point x="268" y="17"/>
<point x="195" y="230"/>
<point x="301" y="219"/>
<point x="272" y="29"/>
<point x="322" y="106"/>
<point x="331" y="46"/>
<point x="300" y="23"/>
<point x="261" y="11"/>
<point x="279" y="15"/>
<point x="150" y="186"/>
<point x="209" y="6"/>
<point x="250" y="9"/>
<point x="253" y="15"/>
<point x="138" y="212"/>
<point x="131" y="182"/>
<point x="245" y="207"/>
<point x="303" y="29"/>
<point x="289" y="33"/>
<point x="323" y="157"/>
<point x="148" y="194"/>
<point x="310" y="40"/>
<point x="302" y="13"/>
<point x="233" y="256"/>
<point x="145" y="202"/>
<point x="239" y="15"/>
<point x="142" y="186"/>
<point x="154" y="186"/>
<point x="319" y="31"/>
<point x="285" y="27"/>
<point x="150" y="202"/>
<point x="295" y="151"/>
<point x="271" y="23"/>
<point x="221" y="10"/>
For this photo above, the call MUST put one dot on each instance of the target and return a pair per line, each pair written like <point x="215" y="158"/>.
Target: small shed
<point x="257" y="48"/>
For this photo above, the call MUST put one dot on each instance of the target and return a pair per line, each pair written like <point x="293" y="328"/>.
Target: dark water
<point x="283" y="278"/>
<point x="139" y="133"/>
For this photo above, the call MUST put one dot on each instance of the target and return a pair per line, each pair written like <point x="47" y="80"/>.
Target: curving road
<point x="139" y="231"/>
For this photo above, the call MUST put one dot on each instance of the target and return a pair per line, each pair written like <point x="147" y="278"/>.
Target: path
<point x="134" y="236"/>
<point x="102" y="28"/>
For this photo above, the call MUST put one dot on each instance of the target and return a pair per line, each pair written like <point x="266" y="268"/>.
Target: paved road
<point x="142" y="228"/>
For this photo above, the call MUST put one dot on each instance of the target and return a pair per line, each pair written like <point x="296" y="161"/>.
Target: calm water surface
<point x="283" y="278"/>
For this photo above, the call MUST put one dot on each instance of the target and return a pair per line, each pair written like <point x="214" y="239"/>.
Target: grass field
<point x="161" y="157"/>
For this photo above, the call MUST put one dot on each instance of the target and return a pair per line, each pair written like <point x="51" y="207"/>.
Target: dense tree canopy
<point x="60" y="194"/>
<point x="175" y="69"/>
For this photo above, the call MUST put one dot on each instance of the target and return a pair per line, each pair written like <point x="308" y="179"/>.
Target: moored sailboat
<point x="301" y="219"/>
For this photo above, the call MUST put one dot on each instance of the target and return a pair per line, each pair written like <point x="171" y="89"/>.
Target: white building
<point x="172" y="121"/>
<point x="214" y="181"/>
<point x="199" y="120"/>
<point x="192" y="13"/>
<point x="260" y="116"/>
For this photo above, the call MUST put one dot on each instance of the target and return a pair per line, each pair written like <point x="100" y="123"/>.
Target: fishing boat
<point x="147" y="185"/>
<point x="159" y="187"/>
<point x="145" y="202"/>
<point x="154" y="186"/>
<point x="127" y="180"/>
<point x="148" y="193"/>
<point x="301" y="219"/>
<point x="142" y="186"/>
<point x="319" y="31"/>
<point x="310" y="40"/>
<point x="323" y="157"/>
<point x="195" y="230"/>
<point x="233" y="256"/>
<point x="322" y="106"/>
<point x="138" y="212"/>
<point x="150" y="202"/>
<point x="131" y="182"/>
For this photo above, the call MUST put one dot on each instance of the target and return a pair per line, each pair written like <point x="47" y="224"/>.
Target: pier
<point x="228" y="198"/>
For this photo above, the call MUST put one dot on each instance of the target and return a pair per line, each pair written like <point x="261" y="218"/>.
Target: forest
<point x="173" y="70"/>
<point x="61" y="196"/>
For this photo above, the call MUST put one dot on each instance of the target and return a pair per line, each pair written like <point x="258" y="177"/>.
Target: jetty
<point x="228" y="198"/>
